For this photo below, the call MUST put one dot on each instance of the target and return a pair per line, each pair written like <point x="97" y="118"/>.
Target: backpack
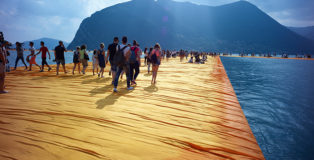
<point x="132" y="58"/>
<point x="118" y="58"/>
<point x="86" y="56"/>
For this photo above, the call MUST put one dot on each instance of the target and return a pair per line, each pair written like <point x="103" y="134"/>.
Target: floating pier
<point x="192" y="113"/>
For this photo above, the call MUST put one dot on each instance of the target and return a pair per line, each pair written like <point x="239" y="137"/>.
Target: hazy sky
<point x="22" y="20"/>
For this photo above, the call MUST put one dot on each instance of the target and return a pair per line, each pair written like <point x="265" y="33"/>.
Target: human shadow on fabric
<point x="96" y="80"/>
<point x="111" y="99"/>
<point x="87" y="76"/>
<point x="70" y="76"/>
<point x="43" y="76"/>
<point x="101" y="90"/>
<point x="151" y="89"/>
<point x="147" y="74"/>
<point x="40" y="78"/>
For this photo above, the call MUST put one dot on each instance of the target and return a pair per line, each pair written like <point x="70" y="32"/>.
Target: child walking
<point x="32" y="56"/>
<point x="44" y="50"/>
<point x="95" y="62"/>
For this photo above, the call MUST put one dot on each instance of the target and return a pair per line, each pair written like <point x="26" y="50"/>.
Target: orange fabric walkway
<point x="191" y="114"/>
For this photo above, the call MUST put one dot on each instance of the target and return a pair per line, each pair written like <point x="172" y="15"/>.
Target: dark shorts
<point x="157" y="63"/>
<point x="76" y="60"/>
<point x="113" y="67"/>
<point x="102" y="64"/>
<point x="62" y="61"/>
<point x="44" y="61"/>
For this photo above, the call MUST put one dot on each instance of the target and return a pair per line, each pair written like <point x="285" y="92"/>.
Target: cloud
<point x="32" y="19"/>
<point x="92" y="6"/>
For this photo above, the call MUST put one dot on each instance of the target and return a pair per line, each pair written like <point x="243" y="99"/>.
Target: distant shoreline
<point x="269" y="57"/>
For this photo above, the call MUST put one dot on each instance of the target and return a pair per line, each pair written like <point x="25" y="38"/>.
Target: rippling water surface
<point x="277" y="97"/>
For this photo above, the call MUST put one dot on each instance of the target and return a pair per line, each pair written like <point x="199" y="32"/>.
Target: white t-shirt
<point x="32" y="49"/>
<point x="95" y="58"/>
<point x="126" y="50"/>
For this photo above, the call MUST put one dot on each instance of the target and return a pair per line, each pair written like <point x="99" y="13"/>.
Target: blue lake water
<point x="277" y="97"/>
<point x="67" y="55"/>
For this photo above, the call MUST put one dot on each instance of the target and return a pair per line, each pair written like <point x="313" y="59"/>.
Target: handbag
<point x="86" y="56"/>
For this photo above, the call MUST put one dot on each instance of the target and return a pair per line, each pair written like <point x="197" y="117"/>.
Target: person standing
<point x="76" y="60"/>
<point x="84" y="58"/>
<point x="3" y="60"/>
<point x="44" y="50"/>
<point x="146" y="55"/>
<point x="168" y="55"/>
<point x="181" y="55"/>
<point x="33" y="56"/>
<point x="101" y="60"/>
<point x="112" y="49"/>
<point x="95" y="62"/>
<point x="155" y="58"/>
<point x="20" y="55"/>
<point x="59" y="55"/>
<point x="121" y="60"/>
<point x="134" y="62"/>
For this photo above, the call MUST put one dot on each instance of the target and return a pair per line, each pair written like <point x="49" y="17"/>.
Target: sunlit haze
<point x="27" y="20"/>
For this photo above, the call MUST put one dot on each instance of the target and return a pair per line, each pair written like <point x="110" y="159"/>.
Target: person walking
<point x="84" y="58"/>
<point x="76" y="60"/>
<point x="20" y="55"/>
<point x="44" y="50"/>
<point x="155" y="58"/>
<point x="59" y="55"/>
<point x="134" y="61"/>
<point x="112" y="49"/>
<point x="32" y="56"/>
<point x="149" y="60"/>
<point x="121" y="60"/>
<point x="7" y="66"/>
<point x="95" y="62"/>
<point x="101" y="60"/>
<point x="3" y="61"/>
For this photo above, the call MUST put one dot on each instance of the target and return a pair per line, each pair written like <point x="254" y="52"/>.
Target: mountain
<point x="235" y="27"/>
<point x="307" y="32"/>
<point x="49" y="43"/>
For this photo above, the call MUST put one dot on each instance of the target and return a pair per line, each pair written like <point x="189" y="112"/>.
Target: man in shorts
<point x="59" y="54"/>
<point x="44" y="50"/>
<point x="112" y="48"/>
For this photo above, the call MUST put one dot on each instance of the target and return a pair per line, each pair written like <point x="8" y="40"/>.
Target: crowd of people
<point x="124" y="58"/>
